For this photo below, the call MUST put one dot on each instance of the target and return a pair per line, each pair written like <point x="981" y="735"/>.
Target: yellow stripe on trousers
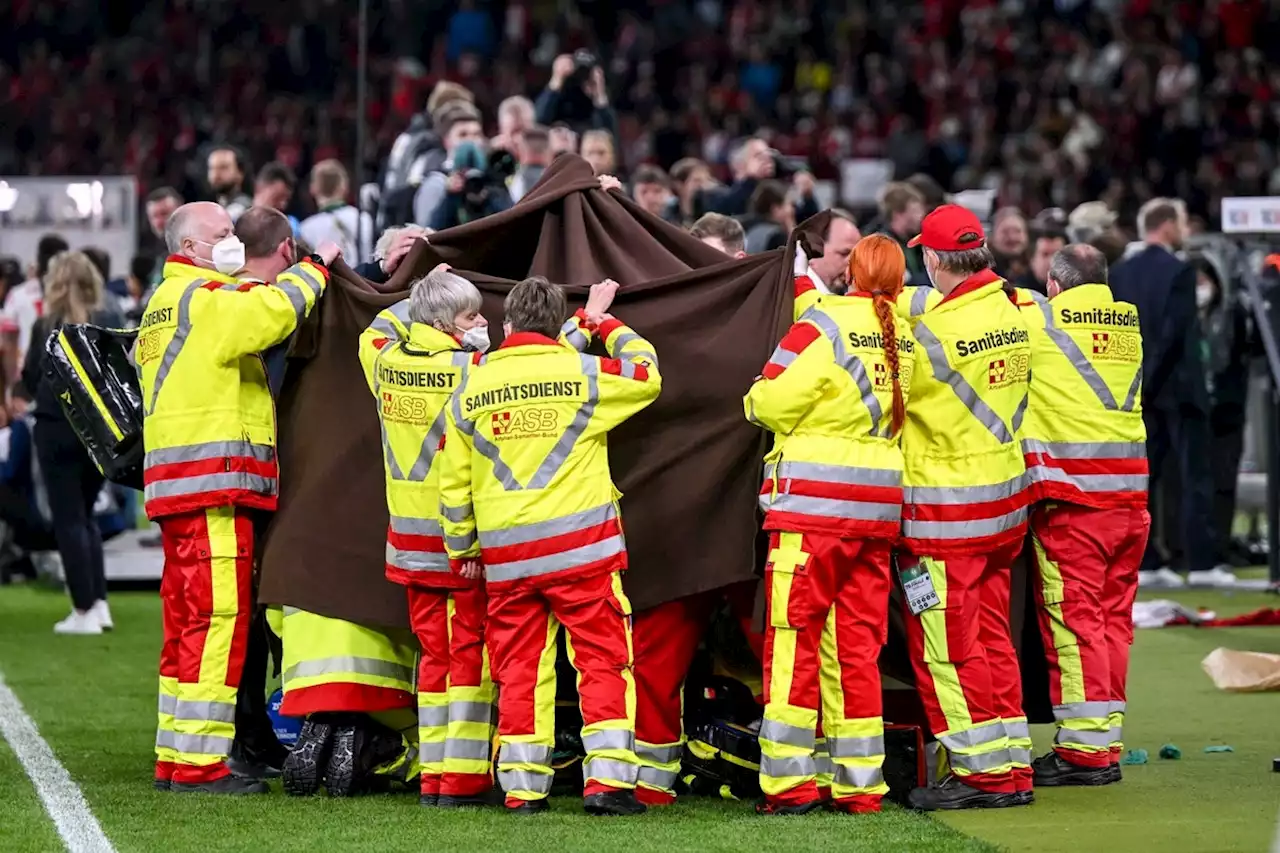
<point x="524" y="761"/>
<point x="854" y="746"/>
<point x="472" y="717"/>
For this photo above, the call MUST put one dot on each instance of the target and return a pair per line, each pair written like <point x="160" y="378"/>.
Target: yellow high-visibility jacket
<point x="413" y="370"/>
<point x="915" y="300"/>
<point x="525" y="483"/>
<point x="1083" y="439"/>
<point x="965" y="479"/>
<point x="827" y="395"/>
<point x="209" y="422"/>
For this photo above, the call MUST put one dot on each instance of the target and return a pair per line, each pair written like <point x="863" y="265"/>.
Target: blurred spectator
<point x="721" y="232"/>
<point x="417" y="152"/>
<point x="690" y="177"/>
<point x="470" y="31"/>
<point x="24" y="304"/>
<point x="72" y="482"/>
<point x="770" y="217"/>
<point x="457" y="124"/>
<point x="115" y="289"/>
<point x="533" y="146"/>
<point x="18" y="506"/>
<point x="751" y="162"/>
<point x="578" y="96"/>
<point x="472" y="190"/>
<point x="930" y="190"/>
<point x="338" y="221"/>
<point x="563" y="140"/>
<point x="515" y="116"/>
<point x="141" y="275"/>
<point x="649" y="189"/>
<point x="1045" y="244"/>
<point x="393" y="247"/>
<point x="161" y="203"/>
<point x="1089" y="221"/>
<point x="273" y="187"/>
<point x="832" y="266"/>
<point x="226" y="171"/>
<point x="901" y="209"/>
<point x="10" y="275"/>
<point x="597" y="149"/>
<point x="1009" y="238"/>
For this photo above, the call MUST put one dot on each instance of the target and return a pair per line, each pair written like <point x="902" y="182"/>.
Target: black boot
<point x="1115" y="773"/>
<point x="1053" y="770"/>
<point x="618" y="803"/>
<point x="492" y="797"/>
<point x="256" y="757"/>
<point x="528" y="807"/>
<point x="304" y="768"/>
<point x="358" y="748"/>
<point x="232" y="785"/>
<point x="764" y="807"/>
<point x="430" y="800"/>
<point x="954" y="794"/>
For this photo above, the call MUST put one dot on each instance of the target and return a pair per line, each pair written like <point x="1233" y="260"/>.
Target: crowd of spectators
<point x="1050" y="102"/>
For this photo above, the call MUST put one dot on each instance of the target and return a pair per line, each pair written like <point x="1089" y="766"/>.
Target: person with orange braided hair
<point x="834" y="393"/>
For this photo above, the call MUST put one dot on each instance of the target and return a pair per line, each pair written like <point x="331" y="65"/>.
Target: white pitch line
<point x="61" y="797"/>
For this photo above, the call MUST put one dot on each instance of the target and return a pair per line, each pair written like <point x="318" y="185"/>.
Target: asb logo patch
<point x="996" y="372"/>
<point x="1101" y="343"/>
<point x="532" y="422"/>
<point x="882" y="376"/>
<point x="1010" y="370"/>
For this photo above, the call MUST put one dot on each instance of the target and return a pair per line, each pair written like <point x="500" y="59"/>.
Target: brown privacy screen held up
<point x="689" y="466"/>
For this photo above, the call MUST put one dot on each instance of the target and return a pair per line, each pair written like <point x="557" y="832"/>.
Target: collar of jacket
<point x="526" y="339"/>
<point x="424" y="336"/>
<point x="180" y="266"/>
<point x="1090" y="293"/>
<point x="973" y="284"/>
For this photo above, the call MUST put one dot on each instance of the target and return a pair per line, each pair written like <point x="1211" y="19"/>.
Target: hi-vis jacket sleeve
<point x="914" y="301"/>
<point x="391" y="325"/>
<point x="254" y="317"/>
<point x="628" y="381"/>
<point x="808" y="290"/>
<point x="793" y="380"/>
<point x="457" y="515"/>
<point x="577" y="331"/>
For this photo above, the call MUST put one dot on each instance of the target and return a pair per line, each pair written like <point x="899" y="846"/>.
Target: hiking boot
<point x="954" y="794"/>
<point x="617" y="803"/>
<point x="1053" y="770"/>
<point x="491" y="797"/>
<point x="528" y="807"/>
<point x="340" y="772"/>
<point x="232" y="785"/>
<point x="765" y="807"/>
<point x="358" y="748"/>
<point x="304" y="768"/>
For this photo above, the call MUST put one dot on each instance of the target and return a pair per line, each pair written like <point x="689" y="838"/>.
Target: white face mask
<point x="476" y="338"/>
<point x="228" y="254"/>
<point x="1204" y="295"/>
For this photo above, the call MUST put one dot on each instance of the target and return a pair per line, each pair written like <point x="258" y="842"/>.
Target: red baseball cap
<point x="942" y="229"/>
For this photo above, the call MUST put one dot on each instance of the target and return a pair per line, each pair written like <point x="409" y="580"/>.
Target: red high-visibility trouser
<point x="456" y="714"/>
<point x="523" y="624"/>
<point x="1086" y="578"/>
<point x="967" y="670"/>
<point x="206" y="597"/>
<point x="828" y="617"/>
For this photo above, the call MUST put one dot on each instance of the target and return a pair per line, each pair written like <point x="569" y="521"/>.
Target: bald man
<point x="210" y="470"/>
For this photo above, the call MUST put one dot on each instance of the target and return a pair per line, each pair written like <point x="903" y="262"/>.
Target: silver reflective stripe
<point x="780" y="768"/>
<point x="228" y="480"/>
<point x="982" y="762"/>
<point x="609" y="739"/>
<point x="914" y="529"/>
<point x="457" y="514"/>
<point x="574" y="335"/>
<point x="416" y="526"/>
<point x="621" y="340"/>
<point x="524" y="781"/>
<point x="393" y="467"/>
<point x="776" y="732"/>
<point x="855" y="747"/>
<point x="471" y="712"/>
<point x="483" y="446"/>
<point x="1090" y="482"/>
<point x="560" y="452"/>
<point x="1086" y="449"/>
<point x="834" y="508"/>
<point x="848" y="475"/>
<point x="177" y="342"/>
<point x="602" y="550"/>
<point x="467" y="749"/>
<point x="652" y="777"/>
<point x="1117" y="707"/>
<point x="433" y="716"/>
<point x="461" y="543"/>
<point x="401" y="312"/>
<point x="782" y="357"/>
<point x="1077" y="737"/>
<point x="431" y="752"/>
<point x="194" y="744"/>
<point x="1116" y="734"/>
<point x="1131" y="399"/>
<point x="643" y="355"/>
<point x="1077" y="710"/>
<point x="965" y="495"/>
<point x="521" y="533"/>
<point x="919" y="301"/>
<point x="524" y="753"/>
<point x="943" y="372"/>
<point x="209" y="450"/>
<point x="858" y="777"/>
<point x="1019" y="755"/>
<point x="416" y="561"/>
<point x="349" y="665"/>
<point x="850" y="363"/>
<point x="297" y="298"/>
<point x="167" y="704"/>
<point x="1017" y="729"/>
<point x="659" y="754"/>
<point x="316" y="285"/>
<point x="430" y="446"/>
<point x="1079" y="361"/>
<point x="984" y="733"/>
<point x="823" y="765"/>
<point x="1021" y="412"/>
<point x="216" y="712"/>
<point x="610" y="770"/>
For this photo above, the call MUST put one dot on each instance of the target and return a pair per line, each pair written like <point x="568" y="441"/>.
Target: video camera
<point x="785" y="167"/>
<point x="584" y="62"/>
<point x="481" y="173"/>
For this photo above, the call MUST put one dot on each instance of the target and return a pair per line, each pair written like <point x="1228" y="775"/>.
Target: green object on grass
<point x="1135" y="756"/>
<point x="1222" y="747"/>
<point x="1170" y="752"/>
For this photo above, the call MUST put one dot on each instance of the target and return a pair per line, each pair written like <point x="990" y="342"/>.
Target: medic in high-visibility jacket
<point x="526" y="489"/>
<point x="209" y="430"/>
<point x="1084" y="443"/>
<point x="834" y="394"/>
<point x="965" y="517"/>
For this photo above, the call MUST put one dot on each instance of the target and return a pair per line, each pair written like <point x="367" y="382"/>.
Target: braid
<point x="888" y="330"/>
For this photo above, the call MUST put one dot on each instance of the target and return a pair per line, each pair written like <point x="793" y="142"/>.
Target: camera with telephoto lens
<point x="784" y="167"/>
<point x="584" y="61"/>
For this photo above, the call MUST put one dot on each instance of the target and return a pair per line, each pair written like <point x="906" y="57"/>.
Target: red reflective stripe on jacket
<point x="200" y="501"/>
<point x="1044" y="487"/>
<point x="796" y="340"/>
<point x="550" y="545"/>
<point x="415" y="542"/>
<point x="804" y="284"/>
<point x="613" y="366"/>
<point x="863" y="529"/>
<point x="202" y="467"/>
<point x="836" y="491"/>
<point x="607" y="328"/>
<point x="968" y="511"/>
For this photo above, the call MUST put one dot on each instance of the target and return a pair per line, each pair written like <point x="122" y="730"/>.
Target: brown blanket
<point x="689" y="465"/>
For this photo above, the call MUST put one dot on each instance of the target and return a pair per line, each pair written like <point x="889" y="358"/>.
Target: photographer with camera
<point x="577" y="95"/>
<point x="753" y="162"/>
<point x="468" y="184"/>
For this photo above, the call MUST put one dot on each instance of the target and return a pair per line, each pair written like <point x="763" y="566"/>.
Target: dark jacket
<point x="36" y="388"/>
<point x="762" y="234"/>
<point x="451" y="211"/>
<point x="574" y="108"/>
<point x="916" y="276"/>
<point x="1163" y="288"/>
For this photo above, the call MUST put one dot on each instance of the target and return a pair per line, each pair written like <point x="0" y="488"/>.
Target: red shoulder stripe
<point x="379" y="343"/>
<point x="613" y="367"/>
<point x="799" y="337"/>
<point x="804" y="284"/>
